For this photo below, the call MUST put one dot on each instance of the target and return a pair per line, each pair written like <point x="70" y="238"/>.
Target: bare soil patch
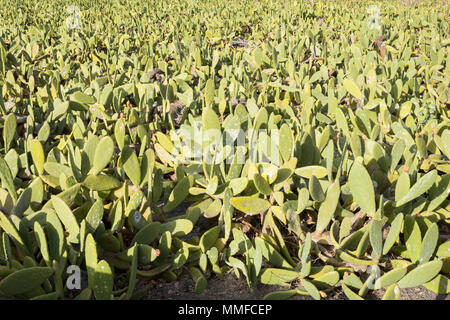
<point x="232" y="288"/>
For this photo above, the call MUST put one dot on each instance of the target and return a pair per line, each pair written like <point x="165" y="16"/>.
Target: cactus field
<point x="303" y="146"/>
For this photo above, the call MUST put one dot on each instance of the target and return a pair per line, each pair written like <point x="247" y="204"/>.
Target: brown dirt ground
<point x="232" y="288"/>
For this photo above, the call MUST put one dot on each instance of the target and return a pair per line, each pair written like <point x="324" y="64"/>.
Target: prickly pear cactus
<point x="303" y="144"/>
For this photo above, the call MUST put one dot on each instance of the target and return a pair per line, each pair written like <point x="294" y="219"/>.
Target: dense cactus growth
<point x="297" y="143"/>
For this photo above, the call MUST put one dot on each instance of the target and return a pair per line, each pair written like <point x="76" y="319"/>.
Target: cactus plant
<point x="308" y="149"/>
